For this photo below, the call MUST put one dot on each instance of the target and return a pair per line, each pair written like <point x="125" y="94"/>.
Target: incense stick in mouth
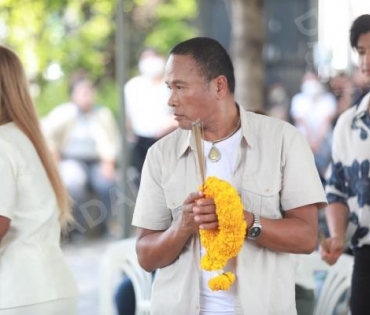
<point x="198" y="134"/>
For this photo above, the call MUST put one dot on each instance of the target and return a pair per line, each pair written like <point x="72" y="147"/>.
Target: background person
<point x="343" y="90"/>
<point x="277" y="101"/>
<point x="313" y="111"/>
<point x="348" y="180"/>
<point x="85" y="140"/>
<point x="264" y="158"/>
<point x="148" y="116"/>
<point x="33" y="207"/>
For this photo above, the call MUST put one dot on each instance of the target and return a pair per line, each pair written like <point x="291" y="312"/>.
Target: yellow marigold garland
<point x="225" y="242"/>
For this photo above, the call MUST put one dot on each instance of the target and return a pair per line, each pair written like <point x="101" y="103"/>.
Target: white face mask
<point x="151" y="67"/>
<point x="312" y="88"/>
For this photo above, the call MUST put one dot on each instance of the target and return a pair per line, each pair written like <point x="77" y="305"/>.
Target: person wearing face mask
<point x="313" y="111"/>
<point x="277" y="99"/>
<point x="148" y="116"/>
<point x="148" y="119"/>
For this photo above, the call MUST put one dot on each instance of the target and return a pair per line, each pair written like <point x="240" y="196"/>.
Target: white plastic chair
<point x="120" y="258"/>
<point x="337" y="282"/>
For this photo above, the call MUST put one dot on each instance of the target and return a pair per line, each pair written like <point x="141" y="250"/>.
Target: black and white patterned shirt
<point x="348" y="177"/>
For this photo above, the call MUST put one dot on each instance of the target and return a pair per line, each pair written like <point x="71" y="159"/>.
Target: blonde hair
<point x="16" y="106"/>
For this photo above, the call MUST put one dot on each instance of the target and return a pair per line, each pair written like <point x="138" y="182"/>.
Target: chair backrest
<point x="336" y="283"/>
<point x="120" y="258"/>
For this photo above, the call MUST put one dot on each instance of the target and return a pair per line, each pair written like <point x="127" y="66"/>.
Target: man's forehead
<point x="181" y="60"/>
<point x="181" y="64"/>
<point x="364" y="40"/>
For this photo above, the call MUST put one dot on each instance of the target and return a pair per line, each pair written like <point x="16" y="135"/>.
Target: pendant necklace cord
<point x="229" y="135"/>
<point x="214" y="154"/>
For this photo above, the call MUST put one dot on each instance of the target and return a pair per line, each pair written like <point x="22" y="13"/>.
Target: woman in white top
<point x="34" y="206"/>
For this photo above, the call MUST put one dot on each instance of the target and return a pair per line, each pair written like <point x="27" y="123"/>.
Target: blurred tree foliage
<point x="57" y="37"/>
<point x="159" y="24"/>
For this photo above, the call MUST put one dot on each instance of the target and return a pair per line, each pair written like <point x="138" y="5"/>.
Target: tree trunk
<point x="247" y="45"/>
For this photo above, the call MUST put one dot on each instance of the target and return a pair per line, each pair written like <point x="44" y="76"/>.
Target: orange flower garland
<point x="225" y="242"/>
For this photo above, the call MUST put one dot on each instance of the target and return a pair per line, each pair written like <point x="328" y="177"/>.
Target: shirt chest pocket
<point x="262" y="199"/>
<point x="174" y="200"/>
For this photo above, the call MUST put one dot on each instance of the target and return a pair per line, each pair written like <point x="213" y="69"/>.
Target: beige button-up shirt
<point x="59" y="123"/>
<point x="275" y="172"/>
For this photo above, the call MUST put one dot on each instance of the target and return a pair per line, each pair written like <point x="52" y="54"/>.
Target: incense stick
<point x="198" y="137"/>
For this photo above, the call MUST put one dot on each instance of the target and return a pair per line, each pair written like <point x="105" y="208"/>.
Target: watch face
<point x="254" y="231"/>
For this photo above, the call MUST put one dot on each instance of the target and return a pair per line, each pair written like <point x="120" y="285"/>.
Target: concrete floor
<point x="83" y="257"/>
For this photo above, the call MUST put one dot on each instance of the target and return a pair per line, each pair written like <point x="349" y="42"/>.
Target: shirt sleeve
<point x="302" y="184"/>
<point x="336" y="189"/>
<point x="8" y="179"/>
<point x="56" y="124"/>
<point x="151" y="211"/>
<point x="109" y="142"/>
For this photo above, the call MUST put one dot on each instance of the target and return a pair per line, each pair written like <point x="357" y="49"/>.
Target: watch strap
<point x="255" y="229"/>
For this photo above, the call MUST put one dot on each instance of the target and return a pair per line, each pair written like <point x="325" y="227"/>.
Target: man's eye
<point x="179" y="87"/>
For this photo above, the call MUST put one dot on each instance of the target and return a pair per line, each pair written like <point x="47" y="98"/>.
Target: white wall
<point x="334" y="21"/>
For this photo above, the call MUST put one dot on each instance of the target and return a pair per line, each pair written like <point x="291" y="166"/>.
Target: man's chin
<point x="185" y="125"/>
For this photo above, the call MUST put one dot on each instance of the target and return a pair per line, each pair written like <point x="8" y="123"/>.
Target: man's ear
<point x="221" y="86"/>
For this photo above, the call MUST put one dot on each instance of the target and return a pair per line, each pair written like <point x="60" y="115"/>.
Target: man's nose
<point x="172" y="100"/>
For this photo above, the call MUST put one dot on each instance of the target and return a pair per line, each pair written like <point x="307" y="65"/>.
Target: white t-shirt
<point x="314" y="112"/>
<point x="146" y="106"/>
<point x="223" y="301"/>
<point x="32" y="267"/>
<point x="81" y="141"/>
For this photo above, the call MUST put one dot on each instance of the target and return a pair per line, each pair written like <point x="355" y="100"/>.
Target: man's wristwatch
<point x="255" y="230"/>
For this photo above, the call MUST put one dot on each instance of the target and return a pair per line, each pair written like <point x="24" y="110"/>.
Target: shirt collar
<point x="363" y="107"/>
<point x="246" y="125"/>
<point x="187" y="142"/>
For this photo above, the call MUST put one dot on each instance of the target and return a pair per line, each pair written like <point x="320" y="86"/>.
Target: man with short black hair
<point x="266" y="160"/>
